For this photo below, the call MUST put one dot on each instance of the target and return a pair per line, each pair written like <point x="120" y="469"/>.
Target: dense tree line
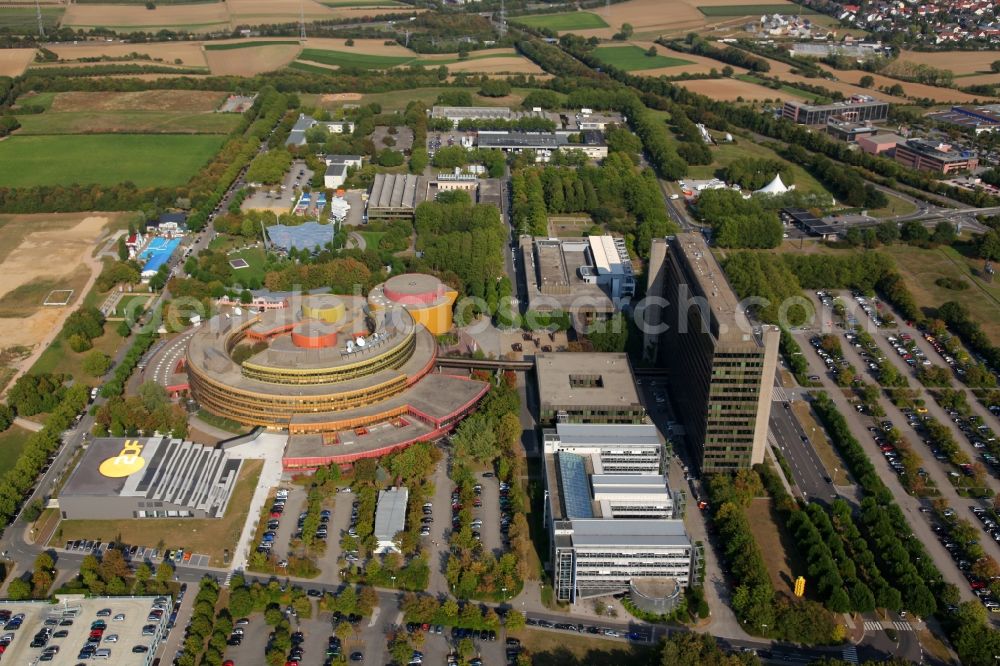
<point x="148" y="411"/>
<point x="847" y="184"/>
<point x="960" y="320"/>
<point x="697" y="45"/>
<point x="465" y="240"/>
<point x="767" y="277"/>
<point x="738" y="222"/>
<point x="116" y="386"/>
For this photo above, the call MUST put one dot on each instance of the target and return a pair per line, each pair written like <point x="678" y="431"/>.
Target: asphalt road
<point x="807" y="469"/>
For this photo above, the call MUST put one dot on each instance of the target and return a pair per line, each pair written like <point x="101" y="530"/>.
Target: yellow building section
<point x="329" y="310"/>
<point x="436" y="318"/>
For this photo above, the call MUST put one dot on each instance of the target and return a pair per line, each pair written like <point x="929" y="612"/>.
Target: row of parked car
<point x="129" y="552"/>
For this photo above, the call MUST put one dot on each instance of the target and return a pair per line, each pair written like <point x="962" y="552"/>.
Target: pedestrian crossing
<point x="779" y="395"/>
<point x="850" y="654"/>
<point x="875" y="625"/>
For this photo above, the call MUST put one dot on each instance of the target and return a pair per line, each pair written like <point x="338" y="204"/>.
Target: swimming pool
<point x="158" y="253"/>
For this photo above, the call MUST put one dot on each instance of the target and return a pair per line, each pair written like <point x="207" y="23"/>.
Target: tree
<point x="995" y="66"/>
<point x="651" y="52"/>
<point x="944" y="233"/>
<point x="494" y="88"/>
<point x="866" y="81"/>
<point x="514" y="620"/>
<point x="96" y="363"/>
<point x="19" y="589"/>
<point x="122" y="248"/>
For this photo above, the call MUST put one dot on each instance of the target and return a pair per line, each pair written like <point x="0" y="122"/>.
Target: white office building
<point x="390" y="518"/>
<point x="613" y="522"/>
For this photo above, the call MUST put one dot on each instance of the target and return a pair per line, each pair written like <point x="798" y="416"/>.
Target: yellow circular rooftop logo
<point x="127" y="462"/>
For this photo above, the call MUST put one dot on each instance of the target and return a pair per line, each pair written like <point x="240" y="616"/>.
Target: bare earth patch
<point x="181" y="101"/>
<point x="497" y="65"/>
<point x="764" y="521"/>
<point x="250" y="61"/>
<point x="340" y="97"/>
<point x="189" y="53"/>
<point x="13" y="62"/>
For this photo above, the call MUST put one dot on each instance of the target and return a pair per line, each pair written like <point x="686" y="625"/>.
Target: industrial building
<point x="576" y="387"/>
<point x="721" y="366"/>
<point x="977" y="119"/>
<point x="149" y="477"/>
<point x="395" y="196"/>
<point x="937" y="157"/>
<point x="591" y="142"/>
<point x="589" y="278"/>
<point x="858" y="108"/>
<point x="612" y="533"/>
<point x="390" y="518"/>
<point x="456" y="114"/>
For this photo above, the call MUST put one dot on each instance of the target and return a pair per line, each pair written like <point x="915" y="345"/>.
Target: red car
<point x="228" y="662"/>
<point x="977" y="585"/>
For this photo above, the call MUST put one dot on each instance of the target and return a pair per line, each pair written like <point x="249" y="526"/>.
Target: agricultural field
<point x="13" y="62"/>
<point x="362" y="3"/>
<point x="188" y="54"/>
<point x="194" y="17"/>
<point x="786" y="90"/>
<point x="496" y="65"/>
<point x="731" y="90"/>
<point x="962" y="63"/>
<point x="235" y="59"/>
<point x="347" y="59"/>
<point x="631" y="58"/>
<point x="105" y="159"/>
<point x="695" y="64"/>
<point x="849" y="79"/>
<point x="751" y="9"/>
<point x="376" y="54"/>
<point x="393" y="101"/>
<point x="24" y="17"/>
<point x="145" y="112"/>
<point x="566" y="22"/>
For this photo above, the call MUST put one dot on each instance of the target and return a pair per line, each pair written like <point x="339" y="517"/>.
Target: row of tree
<point x="738" y="222"/>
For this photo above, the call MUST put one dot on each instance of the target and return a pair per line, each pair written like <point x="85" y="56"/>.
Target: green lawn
<point x="631" y="58"/>
<point x="372" y="238"/>
<point x="42" y="99"/>
<point x="791" y="90"/>
<point x="24" y="17"/>
<point x="562" y="22"/>
<point x="128" y="122"/>
<point x="131" y="305"/>
<point x="725" y="153"/>
<point x="754" y="10"/>
<point x="253" y="256"/>
<point x="347" y="59"/>
<point x="12" y="441"/>
<point x="248" y="45"/>
<point x="104" y="159"/>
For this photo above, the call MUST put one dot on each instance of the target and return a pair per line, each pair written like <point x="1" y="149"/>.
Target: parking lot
<point x="280" y="197"/>
<point x="137" y="554"/>
<point x="69" y="627"/>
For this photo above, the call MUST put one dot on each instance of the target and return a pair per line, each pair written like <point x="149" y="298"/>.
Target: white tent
<point x="774" y="187"/>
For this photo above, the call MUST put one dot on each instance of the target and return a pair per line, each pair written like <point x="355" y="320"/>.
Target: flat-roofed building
<point x="858" y="108"/>
<point x="456" y="114"/>
<point x="849" y="130"/>
<point x="937" y="157"/>
<point x="609" y="533"/>
<point x="587" y="388"/>
<point x="877" y="144"/>
<point x="975" y="118"/>
<point x="721" y="366"/>
<point x="613" y="448"/>
<point x="390" y="518"/>
<point x="591" y="142"/>
<point x="395" y="196"/>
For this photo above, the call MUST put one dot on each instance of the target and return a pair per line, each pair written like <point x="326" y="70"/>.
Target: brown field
<point x="917" y="90"/>
<point x="978" y="79"/>
<point x="278" y="11"/>
<point x="478" y="54"/>
<point x="497" y="65"/>
<point x="189" y="53"/>
<point x="180" y="101"/>
<point x="197" y="17"/>
<point x="651" y="18"/>
<point x="330" y="98"/>
<point x="729" y="89"/>
<point x="50" y="250"/>
<point x="368" y="47"/>
<point x="960" y="62"/>
<point x="250" y="61"/>
<point x="13" y="62"/>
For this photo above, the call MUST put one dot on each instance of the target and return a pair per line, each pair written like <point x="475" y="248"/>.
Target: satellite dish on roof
<point x="360" y="341"/>
<point x="238" y="312"/>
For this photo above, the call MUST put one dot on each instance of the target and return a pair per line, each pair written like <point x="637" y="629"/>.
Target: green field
<point x="248" y="45"/>
<point x="754" y="10"/>
<point x="562" y="22"/>
<point x="725" y="153"/>
<point x="131" y="305"/>
<point x="129" y="122"/>
<point x="24" y="17"/>
<point x="12" y="441"/>
<point x="347" y="59"/>
<point x="42" y="100"/>
<point x="253" y="256"/>
<point x="631" y="58"/>
<point x="104" y="159"/>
